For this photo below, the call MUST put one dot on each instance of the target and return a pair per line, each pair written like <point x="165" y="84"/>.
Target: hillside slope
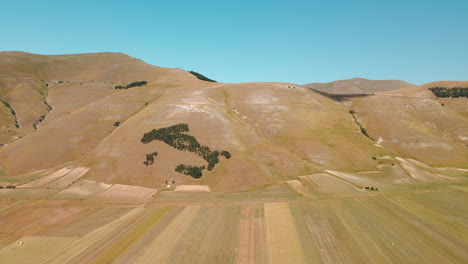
<point x="274" y="131"/>
<point x="415" y="123"/>
<point x="358" y="86"/>
<point x="36" y="86"/>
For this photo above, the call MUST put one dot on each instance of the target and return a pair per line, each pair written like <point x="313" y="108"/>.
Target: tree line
<point x="201" y="77"/>
<point x="133" y="84"/>
<point x="454" y="92"/>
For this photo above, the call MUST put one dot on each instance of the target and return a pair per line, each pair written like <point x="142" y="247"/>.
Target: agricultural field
<point x="418" y="215"/>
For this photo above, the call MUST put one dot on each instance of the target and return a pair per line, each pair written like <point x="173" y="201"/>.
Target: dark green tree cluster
<point x="176" y="137"/>
<point x="226" y="154"/>
<point x="194" y="171"/>
<point x="9" y="107"/>
<point x="133" y="84"/>
<point x="150" y="158"/>
<point x="9" y="187"/>
<point x="201" y="77"/>
<point x="117" y="123"/>
<point x="450" y="92"/>
<point x="361" y="128"/>
<point x="11" y="111"/>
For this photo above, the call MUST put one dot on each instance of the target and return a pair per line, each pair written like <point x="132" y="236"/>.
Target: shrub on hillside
<point x="133" y="84"/>
<point x="201" y="77"/>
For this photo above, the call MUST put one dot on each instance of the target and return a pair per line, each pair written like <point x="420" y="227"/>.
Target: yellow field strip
<point x="123" y="244"/>
<point x="283" y="244"/>
<point x="160" y="249"/>
<point x="76" y="248"/>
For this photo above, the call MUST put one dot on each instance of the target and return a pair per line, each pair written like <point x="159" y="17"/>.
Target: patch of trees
<point x="133" y="84"/>
<point x="117" y="123"/>
<point x="361" y="128"/>
<point x="150" y="158"/>
<point x="454" y="92"/>
<point x="11" y="111"/>
<point x="176" y="137"/>
<point x="9" y="187"/>
<point x="371" y="188"/>
<point x="194" y="171"/>
<point x="42" y="117"/>
<point x="201" y="77"/>
<point x="226" y="154"/>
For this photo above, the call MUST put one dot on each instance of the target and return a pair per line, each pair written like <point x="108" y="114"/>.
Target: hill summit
<point x="358" y="86"/>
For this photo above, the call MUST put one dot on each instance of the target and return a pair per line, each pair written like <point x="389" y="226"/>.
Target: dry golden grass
<point x="282" y="236"/>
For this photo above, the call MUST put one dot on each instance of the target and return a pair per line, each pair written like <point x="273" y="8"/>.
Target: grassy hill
<point x="274" y="131"/>
<point x="358" y="86"/>
<point x="415" y="123"/>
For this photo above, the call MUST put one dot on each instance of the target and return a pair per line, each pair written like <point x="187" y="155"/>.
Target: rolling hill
<point x="91" y="143"/>
<point x="358" y="86"/>
<point x="274" y="131"/>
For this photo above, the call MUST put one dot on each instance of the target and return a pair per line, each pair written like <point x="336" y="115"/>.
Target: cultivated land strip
<point x="417" y="224"/>
<point x="282" y="237"/>
<point x="85" y="242"/>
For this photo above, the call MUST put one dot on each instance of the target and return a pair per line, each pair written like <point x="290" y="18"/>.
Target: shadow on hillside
<point x="340" y="97"/>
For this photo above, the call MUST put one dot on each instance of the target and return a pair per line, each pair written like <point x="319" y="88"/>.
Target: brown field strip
<point x="82" y="189"/>
<point x="14" y="205"/>
<point x="280" y="192"/>
<point x="68" y="179"/>
<point x="167" y="197"/>
<point x="132" y="253"/>
<point x="88" y="222"/>
<point x="61" y="216"/>
<point x="22" y="217"/>
<point x="21" y="194"/>
<point x="283" y="243"/>
<point x="34" y="249"/>
<point x="119" y="247"/>
<point x="252" y="244"/>
<point x="124" y="194"/>
<point x="85" y="242"/>
<point x="334" y="187"/>
<point x="47" y="179"/>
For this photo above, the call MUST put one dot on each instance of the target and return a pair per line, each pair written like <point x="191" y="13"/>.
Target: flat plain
<point x="298" y="221"/>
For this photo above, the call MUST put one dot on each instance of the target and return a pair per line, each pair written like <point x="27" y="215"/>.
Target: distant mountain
<point x="358" y="86"/>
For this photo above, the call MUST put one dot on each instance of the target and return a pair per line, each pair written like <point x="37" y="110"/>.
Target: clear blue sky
<point x="242" y="41"/>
